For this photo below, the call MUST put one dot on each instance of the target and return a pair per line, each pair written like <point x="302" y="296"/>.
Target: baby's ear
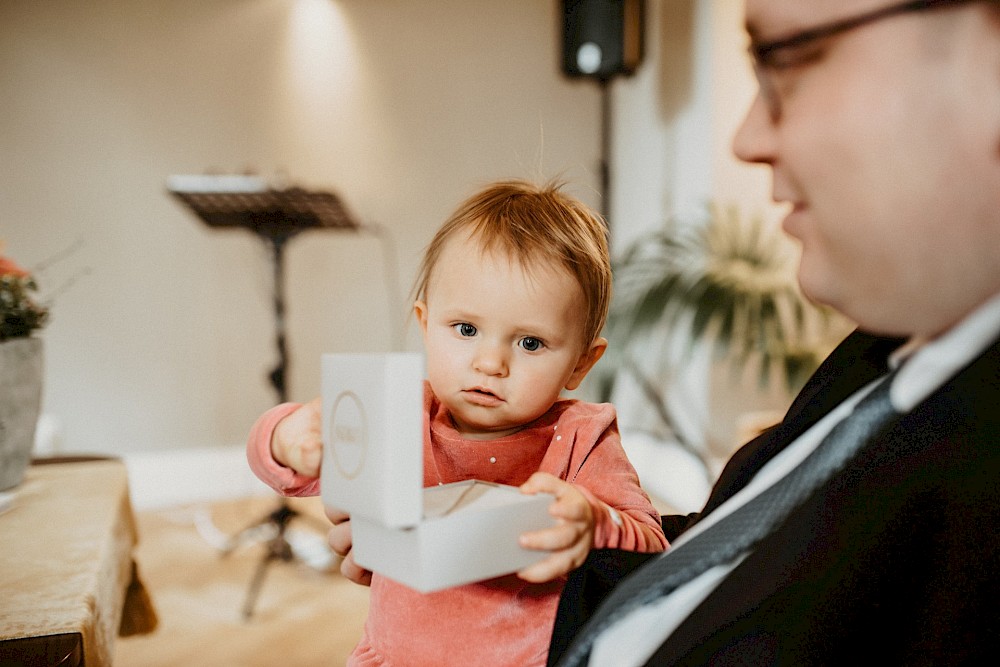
<point x="587" y="359"/>
<point x="420" y="311"/>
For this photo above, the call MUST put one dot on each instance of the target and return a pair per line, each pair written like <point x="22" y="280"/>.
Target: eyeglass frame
<point x="762" y="53"/>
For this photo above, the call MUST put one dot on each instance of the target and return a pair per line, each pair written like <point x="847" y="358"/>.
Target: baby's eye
<point x="531" y="344"/>
<point x="465" y="329"/>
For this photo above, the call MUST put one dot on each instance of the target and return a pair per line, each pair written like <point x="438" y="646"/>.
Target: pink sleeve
<point x="624" y="516"/>
<point x="623" y="528"/>
<point x="284" y="480"/>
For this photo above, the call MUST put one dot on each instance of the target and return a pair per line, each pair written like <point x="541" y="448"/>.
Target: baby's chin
<point x="472" y="429"/>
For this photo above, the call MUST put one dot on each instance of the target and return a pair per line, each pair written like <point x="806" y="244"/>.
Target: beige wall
<point x="402" y="107"/>
<point x="733" y="88"/>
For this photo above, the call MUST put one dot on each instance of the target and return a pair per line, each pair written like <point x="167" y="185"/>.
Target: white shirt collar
<point x="931" y="362"/>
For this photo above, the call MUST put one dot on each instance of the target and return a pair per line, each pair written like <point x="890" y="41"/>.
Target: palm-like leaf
<point x="734" y="280"/>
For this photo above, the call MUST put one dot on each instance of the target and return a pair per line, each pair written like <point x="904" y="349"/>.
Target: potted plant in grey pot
<point x="20" y="369"/>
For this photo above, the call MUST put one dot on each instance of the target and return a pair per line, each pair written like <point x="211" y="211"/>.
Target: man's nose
<point x="754" y="139"/>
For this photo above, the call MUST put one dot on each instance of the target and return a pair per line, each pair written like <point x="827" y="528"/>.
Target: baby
<point x="511" y="296"/>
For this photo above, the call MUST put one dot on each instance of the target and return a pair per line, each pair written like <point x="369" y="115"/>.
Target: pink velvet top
<point x="503" y="621"/>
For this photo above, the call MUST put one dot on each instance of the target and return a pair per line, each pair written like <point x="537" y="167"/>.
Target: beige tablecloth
<point x="66" y="565"/>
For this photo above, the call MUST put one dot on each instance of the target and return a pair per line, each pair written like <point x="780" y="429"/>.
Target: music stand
<point x="276" y="216"/>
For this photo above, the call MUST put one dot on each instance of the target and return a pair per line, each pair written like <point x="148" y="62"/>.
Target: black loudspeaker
<point x="601" y="38"/>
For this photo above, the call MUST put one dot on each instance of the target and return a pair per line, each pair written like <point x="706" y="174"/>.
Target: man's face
<point x="887" y="148"/>
<point x="501" y="342"/>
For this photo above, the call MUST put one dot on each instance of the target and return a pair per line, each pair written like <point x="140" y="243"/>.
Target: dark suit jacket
<point x="895" y="561"/>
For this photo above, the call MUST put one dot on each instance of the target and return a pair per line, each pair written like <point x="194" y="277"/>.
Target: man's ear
<point x="586" y="361"/>
<point x="420" y="311"/>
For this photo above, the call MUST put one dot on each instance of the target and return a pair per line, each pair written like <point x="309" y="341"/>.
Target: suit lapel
<point x="859" y="359"/>
<point x="737" y="598"/>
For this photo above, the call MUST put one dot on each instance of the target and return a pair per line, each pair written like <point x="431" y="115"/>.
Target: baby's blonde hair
<point x="529" y="224"/>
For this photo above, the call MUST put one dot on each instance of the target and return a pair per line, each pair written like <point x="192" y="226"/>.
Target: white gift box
<point x="428" y="539"/>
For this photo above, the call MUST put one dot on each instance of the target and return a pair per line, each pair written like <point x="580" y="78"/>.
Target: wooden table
<point x="68" y="581"/>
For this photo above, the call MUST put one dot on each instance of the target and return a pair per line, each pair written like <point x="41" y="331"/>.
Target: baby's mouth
<point x="482" y="394"/>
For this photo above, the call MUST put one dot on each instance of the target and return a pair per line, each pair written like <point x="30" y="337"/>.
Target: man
<point x="880" y="121"/>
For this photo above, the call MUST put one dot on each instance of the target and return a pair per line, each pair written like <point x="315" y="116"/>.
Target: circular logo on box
<point x="348" y="436"/>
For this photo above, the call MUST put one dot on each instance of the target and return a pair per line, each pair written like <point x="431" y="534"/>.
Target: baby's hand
<point x="570" y="540"/>
<point x="297" y="440"/>
<point x="341" y="543"/>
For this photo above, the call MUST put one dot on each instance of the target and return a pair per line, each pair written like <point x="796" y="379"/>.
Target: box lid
<point x="373" y="443"/>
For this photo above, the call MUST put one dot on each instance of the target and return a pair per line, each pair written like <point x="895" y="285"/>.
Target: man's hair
<point x="534" y="224"/>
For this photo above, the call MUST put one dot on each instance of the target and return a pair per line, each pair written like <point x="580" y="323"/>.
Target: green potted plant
<point x="20" y="369"/>
<point x="724" y="288"/>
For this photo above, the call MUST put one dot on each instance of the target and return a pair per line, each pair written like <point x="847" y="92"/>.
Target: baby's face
<point x="501" y="342"/>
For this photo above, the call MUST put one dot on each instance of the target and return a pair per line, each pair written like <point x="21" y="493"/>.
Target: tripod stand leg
<point x="255" y="586"/>
<point x="278" y="548"/>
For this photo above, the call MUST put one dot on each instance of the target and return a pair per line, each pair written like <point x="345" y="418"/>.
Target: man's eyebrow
<point x="757" y="35"/>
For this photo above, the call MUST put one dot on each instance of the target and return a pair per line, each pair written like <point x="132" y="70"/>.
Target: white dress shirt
<point x="930" y="364"/>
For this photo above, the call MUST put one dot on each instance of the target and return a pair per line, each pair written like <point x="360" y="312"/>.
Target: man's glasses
<point x="766" y="56"/>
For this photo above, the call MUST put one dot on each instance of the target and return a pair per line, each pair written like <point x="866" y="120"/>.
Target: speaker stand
<point x="605" y="148"/>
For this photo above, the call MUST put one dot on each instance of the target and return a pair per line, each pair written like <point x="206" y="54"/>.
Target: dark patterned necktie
<point x="740" y="531"/>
